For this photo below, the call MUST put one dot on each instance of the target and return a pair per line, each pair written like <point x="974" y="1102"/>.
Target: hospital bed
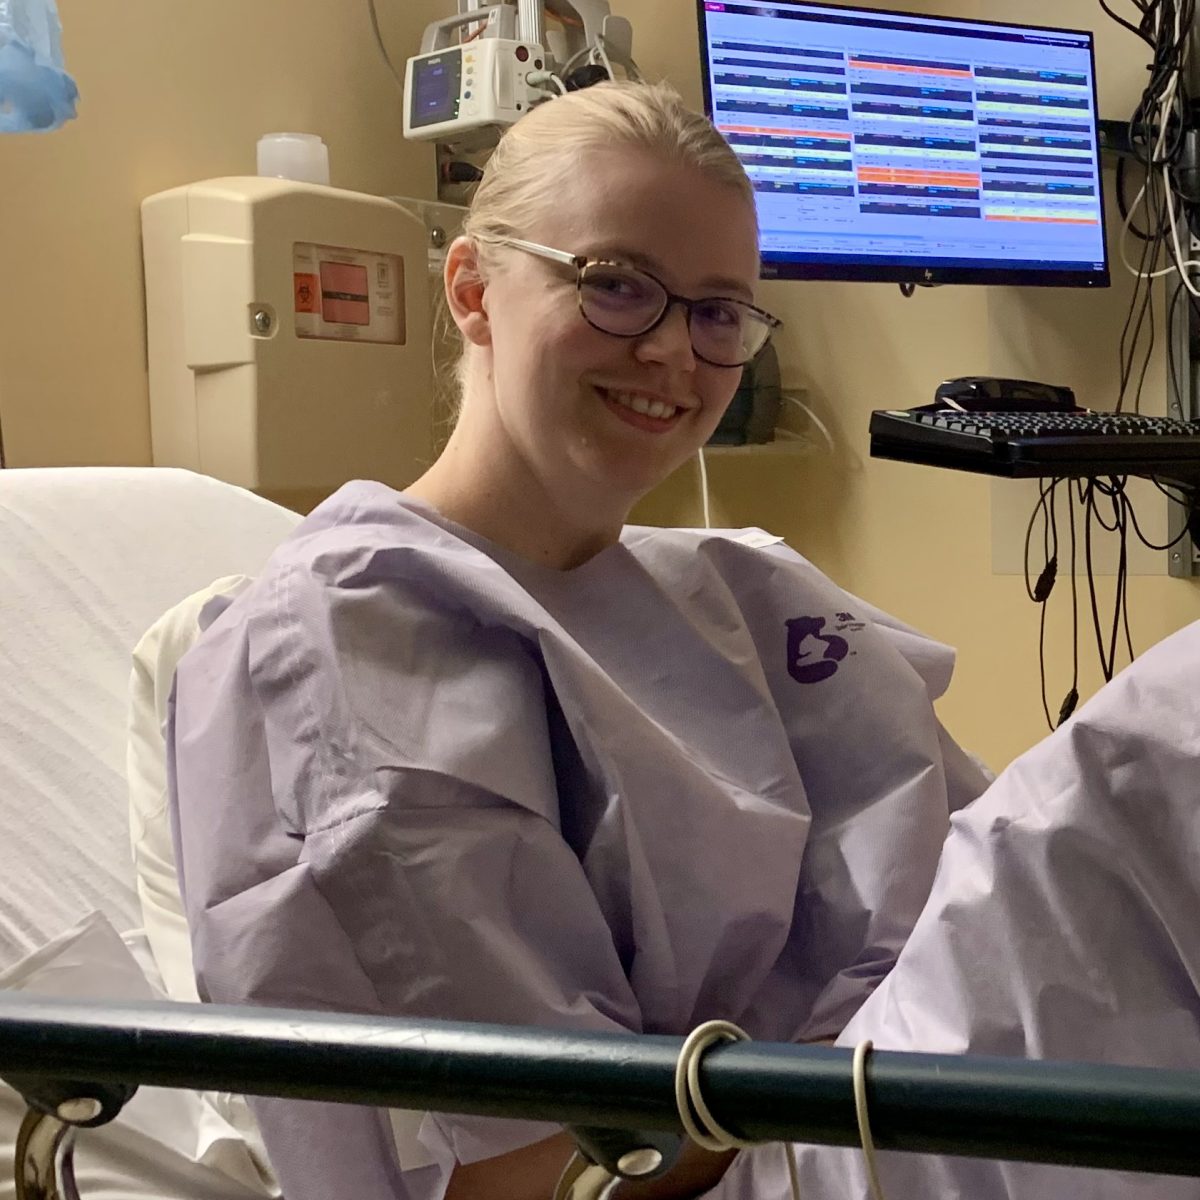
<point x="89" y="559"/>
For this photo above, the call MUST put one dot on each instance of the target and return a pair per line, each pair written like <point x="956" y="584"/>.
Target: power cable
<point x="380" y="44"/>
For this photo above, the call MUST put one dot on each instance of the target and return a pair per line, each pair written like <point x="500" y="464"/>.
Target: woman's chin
<point x="614" y="475"/>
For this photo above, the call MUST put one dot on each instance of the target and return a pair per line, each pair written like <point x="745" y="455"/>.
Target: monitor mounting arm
<point x="585" y="24"/>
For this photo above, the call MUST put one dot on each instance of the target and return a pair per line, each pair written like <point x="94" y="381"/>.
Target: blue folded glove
<point x="36" y="93"/>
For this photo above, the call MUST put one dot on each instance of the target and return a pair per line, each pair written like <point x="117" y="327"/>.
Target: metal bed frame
<point x="77" y="1063"/>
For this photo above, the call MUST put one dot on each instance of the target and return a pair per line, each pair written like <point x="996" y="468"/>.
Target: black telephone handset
<point x="984" y="393"/>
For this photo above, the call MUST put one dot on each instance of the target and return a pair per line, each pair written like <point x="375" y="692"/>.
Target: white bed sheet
<point x="166" y="1144"/>
<point x="89" y="558"/>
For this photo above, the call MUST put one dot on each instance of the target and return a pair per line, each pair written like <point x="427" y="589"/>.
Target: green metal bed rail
<point x="1129" y="1118"/>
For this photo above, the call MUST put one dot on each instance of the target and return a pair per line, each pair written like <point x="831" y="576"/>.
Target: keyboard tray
<point x="1036" y="445"/>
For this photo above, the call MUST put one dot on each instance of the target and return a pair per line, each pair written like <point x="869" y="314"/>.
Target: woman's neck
<point x="511" y="508"/>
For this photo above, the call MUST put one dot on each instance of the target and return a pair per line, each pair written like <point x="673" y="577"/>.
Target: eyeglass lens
<point x="625" y="301"/>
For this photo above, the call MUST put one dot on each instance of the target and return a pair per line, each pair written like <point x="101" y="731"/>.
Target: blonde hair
<point x="520" y="178"/>
<point x="519" y="181"/>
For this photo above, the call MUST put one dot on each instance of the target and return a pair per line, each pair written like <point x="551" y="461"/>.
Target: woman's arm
<point x="326" y="868"/>
<point x="532" y="1172"/>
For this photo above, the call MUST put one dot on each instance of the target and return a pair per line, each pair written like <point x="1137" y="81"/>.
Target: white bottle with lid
<point x="300" y="156"/>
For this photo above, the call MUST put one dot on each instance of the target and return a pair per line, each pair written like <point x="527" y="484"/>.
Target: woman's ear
<point x="465" y="288"/>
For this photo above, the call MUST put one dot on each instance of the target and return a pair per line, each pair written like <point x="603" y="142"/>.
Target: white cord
<point x="1140" y="201"/>
<point x="693" y="1110"/>
<point x="1180" y="264"/>
<point x="1126" y="226"/>
<point x="566" y="67"/>
<point x="703" y="1128"/>
<point x="812" y="416"/>
<point x="599" y="49"/>
<point x="864" y="1121"/>
<point x="1124" y="245"/>
<point x="538" y="78"/>
<point x="689" y="1101"/>
<point x="379" y="42"/>
<point x="704" y="490"/>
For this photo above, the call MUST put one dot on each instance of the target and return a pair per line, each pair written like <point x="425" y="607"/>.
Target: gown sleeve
<point x="1061" y="926"/>
<point x="967" y="776"/>
<point x="368" y="823"/>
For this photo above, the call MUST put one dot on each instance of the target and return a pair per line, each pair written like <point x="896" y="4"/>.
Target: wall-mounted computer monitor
<point x="906" y="148"/>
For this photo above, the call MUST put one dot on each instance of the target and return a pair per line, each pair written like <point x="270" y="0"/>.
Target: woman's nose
<point x="670" y="341"/>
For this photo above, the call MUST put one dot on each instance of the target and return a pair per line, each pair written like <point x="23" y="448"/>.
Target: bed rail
<point x="1128" y="1118"/>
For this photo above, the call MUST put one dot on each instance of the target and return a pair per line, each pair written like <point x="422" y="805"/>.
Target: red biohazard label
<point x="308" y="292"/>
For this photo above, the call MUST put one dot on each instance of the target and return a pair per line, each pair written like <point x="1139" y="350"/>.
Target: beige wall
<point x="183" y="91"/>
<point x="171" y="92"/>
<point x="913" y="540"/>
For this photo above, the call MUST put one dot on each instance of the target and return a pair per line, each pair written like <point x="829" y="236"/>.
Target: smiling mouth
<point x="654" y="412"/>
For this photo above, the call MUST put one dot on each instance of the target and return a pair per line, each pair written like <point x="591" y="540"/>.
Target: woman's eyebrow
<point x="732" y="287"/>
<point x="636" y="258"/>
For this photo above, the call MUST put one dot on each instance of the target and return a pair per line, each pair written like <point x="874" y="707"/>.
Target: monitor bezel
<point x="925" y="273"/>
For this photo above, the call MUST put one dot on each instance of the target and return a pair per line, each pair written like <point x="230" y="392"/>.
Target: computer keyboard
<point x="1033" y="444"/>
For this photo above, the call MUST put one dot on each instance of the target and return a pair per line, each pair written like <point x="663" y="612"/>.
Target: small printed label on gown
<point x="758" y="538"/>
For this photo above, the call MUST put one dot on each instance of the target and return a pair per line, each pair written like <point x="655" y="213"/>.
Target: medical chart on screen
<point x="897" y="137"/>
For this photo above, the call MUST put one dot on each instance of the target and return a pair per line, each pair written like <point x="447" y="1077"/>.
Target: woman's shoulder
<point x="367" y="533"/>
<point x="744" y="559"/>
<point x="772" y="583"/>
<point x="367" y="553"/>
<point x="364" y="512"/>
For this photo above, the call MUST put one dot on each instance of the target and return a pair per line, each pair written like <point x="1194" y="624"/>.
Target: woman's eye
<point x="614" y="286"/>
<point x="718" y="313"/>
<point x="622" y="287"/>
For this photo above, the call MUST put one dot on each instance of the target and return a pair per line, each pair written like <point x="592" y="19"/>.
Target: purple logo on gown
<point x="811" y="654"/>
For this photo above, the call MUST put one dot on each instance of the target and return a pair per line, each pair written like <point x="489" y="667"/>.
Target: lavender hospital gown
<point x="415" y="775"/>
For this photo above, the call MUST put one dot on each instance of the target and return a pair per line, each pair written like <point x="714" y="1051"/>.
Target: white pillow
<point x="167" y="1144"/>
<point x="154" y="660"/>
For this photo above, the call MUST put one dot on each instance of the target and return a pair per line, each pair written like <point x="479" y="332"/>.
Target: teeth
<point x="648" y="408"/>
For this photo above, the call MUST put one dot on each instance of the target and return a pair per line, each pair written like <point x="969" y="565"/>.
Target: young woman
<point x="478" y="751"/>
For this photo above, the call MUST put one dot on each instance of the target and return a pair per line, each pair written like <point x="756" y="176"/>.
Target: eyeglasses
<point x="628" y="302"/>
